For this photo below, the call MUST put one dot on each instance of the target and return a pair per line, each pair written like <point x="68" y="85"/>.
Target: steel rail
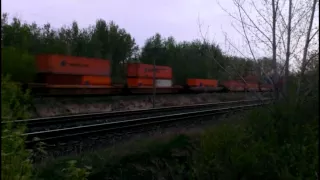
<point x="39" y="122"/>
<point x="80" y="131"/>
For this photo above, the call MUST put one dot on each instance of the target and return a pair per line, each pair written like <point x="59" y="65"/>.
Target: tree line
<point x="196" y="59"/>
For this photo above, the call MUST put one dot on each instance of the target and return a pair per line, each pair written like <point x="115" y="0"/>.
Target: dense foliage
<point x="103" y="40"/>
<point x="15" y="162"/>
<point x="194" y="59"/>
<point x="19" y="64"/>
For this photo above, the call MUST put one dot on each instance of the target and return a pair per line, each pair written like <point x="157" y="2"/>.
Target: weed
<point x="74" y="173"/>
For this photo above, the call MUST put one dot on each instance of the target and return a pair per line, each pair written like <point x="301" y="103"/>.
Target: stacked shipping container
<point x="66" y="79"/>
<point x="141" y="75"/>
<point x="202" y="83"/>
<point x="233" y="85"/>
<point x="252" y="83"/>
<point x="69" y="70"/>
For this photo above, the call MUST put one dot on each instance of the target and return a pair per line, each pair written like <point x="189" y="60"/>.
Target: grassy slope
<point x="258" y="145"/>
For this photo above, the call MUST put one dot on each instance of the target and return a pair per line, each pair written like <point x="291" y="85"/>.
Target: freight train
<point x="69" y="75"/>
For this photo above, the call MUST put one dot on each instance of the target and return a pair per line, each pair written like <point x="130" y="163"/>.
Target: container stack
<point x="213" y="83"/>
<point x="203" y="85"/>
<point x="69" y="70"/>
<point x="252" y="83"/>
<point x="233" y="85"/>
<point x="141" y="76"/>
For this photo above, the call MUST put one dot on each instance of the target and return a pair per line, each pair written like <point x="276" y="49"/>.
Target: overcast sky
<point x="141" y="18"/>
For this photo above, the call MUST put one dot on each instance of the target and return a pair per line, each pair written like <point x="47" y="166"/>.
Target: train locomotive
<point x="69" y="75"/>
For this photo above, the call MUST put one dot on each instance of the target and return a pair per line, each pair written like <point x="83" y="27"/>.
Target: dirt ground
<point x="49" y="106"/>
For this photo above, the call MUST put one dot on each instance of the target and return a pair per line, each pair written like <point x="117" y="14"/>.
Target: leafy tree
<point x="187" y="59"/>
<point x="18" y="64"/>
<point x="103" y="40"/>
<point x="106" y="40"/>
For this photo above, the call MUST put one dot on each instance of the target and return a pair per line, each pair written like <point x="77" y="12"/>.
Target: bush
<point x="151" y="160"/>
<point x="15" y="159"/>
<point x="18" y="64"/>
<point x="281" y="145"/>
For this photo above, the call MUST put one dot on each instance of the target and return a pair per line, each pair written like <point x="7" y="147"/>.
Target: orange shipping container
<point x="139" y="70"/>
<point x="59" y="79"/>
<point x="139" y="82"/>
<point x="96" y="80"/>
<point x="65" y="79"/>
<point x="60" y="64"/>
<point x="233" y="85"/>
<point x="251" y="85"/>
<point x="202" y="82"/>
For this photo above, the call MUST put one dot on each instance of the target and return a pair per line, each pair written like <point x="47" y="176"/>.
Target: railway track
<point x="81" y="95"/>
<point x="173" y="115"/>
<point x="49" y="123"/>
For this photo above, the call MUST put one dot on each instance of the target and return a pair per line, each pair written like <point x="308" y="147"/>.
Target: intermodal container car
<point x="60" y="64"/>
<point x="67" y="79"/>
<point x="96" y="80"/>
<point x="163" y="83"/>
<point x="59" y="79"/>
<point x="266" y="87"/>
<point x="252" y="87"/>
<point x="233" y="85"/>
<point x="139" y="70"/>
<point x="139" y="82"/>
<point x="251" y="79"/>
<point x="202" y="82"/>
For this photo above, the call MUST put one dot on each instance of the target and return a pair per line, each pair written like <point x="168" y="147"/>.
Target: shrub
<point x="15" y="159"/>
<point x="72" y="172"/>
<point x="167" y="159"/>
<point x="276" y="144"/>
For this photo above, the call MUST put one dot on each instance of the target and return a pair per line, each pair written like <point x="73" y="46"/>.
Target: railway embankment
<point x="55" y="106"/>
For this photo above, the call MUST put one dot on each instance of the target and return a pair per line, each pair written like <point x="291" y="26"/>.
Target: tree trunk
<point x="274" y="50"/>
<point x="305" y="50"/>
<point x="286" y="73"/>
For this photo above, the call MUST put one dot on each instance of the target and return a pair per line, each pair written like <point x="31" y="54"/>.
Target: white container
<point x="163" y="83"/>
